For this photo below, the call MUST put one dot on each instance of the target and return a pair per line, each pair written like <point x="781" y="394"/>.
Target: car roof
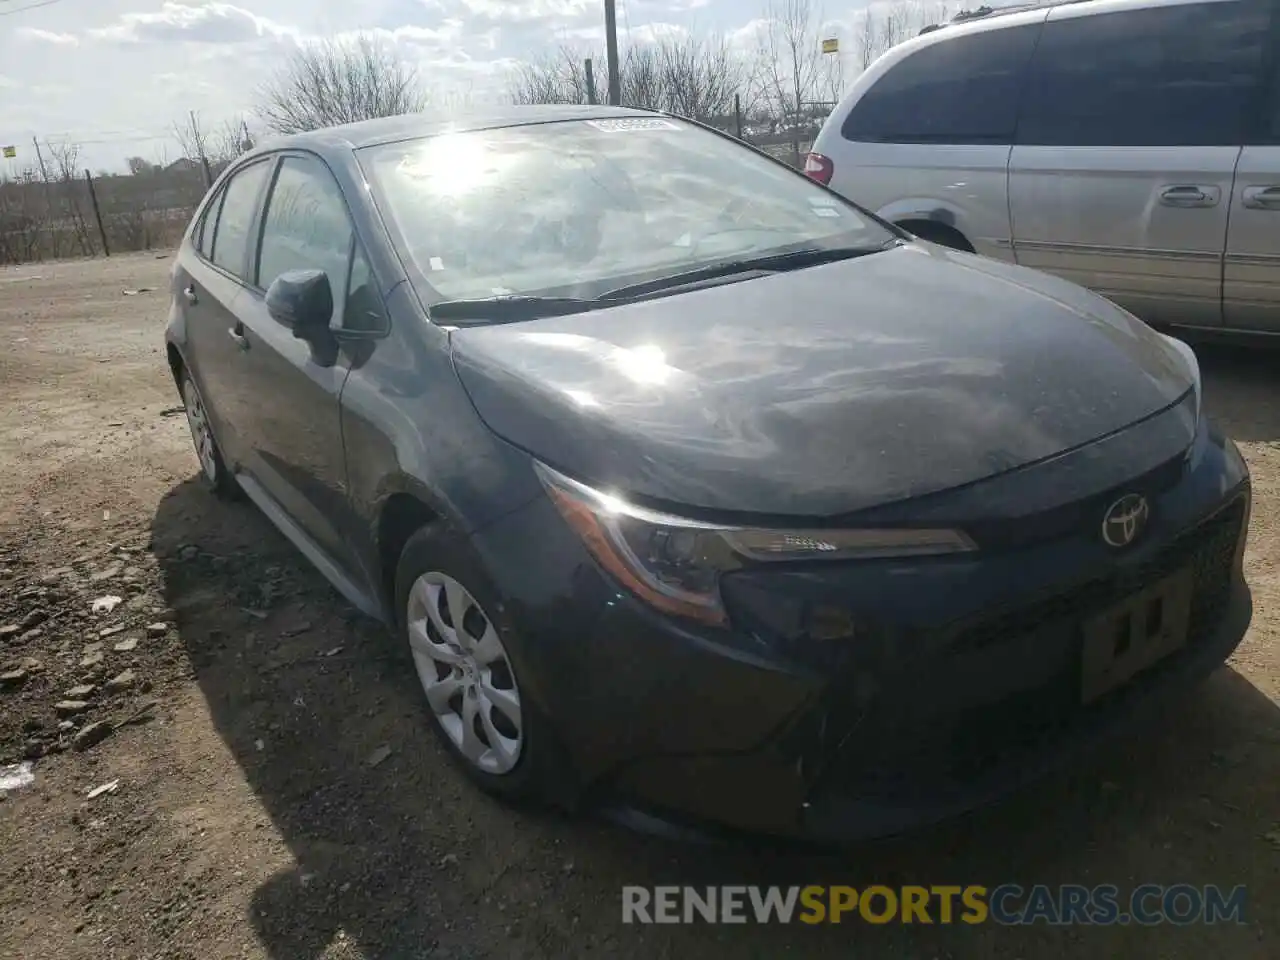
<point x="981" y="20"/>
<point x="986" y="13"/>
<point x="368" y="133"/>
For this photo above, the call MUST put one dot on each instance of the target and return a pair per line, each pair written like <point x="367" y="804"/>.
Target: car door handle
<point x="1190" y="195"/>
<point x="1262" y="198"/>
<point x="236" y="333"/>
<point x="190" y="293"/>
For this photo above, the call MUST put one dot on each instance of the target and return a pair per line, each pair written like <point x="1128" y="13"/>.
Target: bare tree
<point x="692" y="77"/>
<point x="193" y="139"/>
<point x="23" y="218"/>
<point x="700" y="77"/>
<point x="643" y="83"/>
<point x="65" y="158"/>
<point x="330" y="82"/>
<point x="138" y="165"/>
<point x="788" y="69"/>
<point x="560" y="77"/>
<point x="866" y="39"/>
<point x="880" y="29"/>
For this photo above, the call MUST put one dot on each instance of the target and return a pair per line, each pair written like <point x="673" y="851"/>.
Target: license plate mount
<point x="1134" y="634"/>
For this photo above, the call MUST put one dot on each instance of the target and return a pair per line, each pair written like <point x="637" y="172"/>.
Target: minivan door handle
<point x="190" y="293"/>
<point x="1262" y="198"/>
<point x="1190" y="195"/>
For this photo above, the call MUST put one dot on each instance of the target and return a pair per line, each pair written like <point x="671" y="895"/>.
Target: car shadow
<point x="1242" y="388"/>
<point x="397" y="856"/>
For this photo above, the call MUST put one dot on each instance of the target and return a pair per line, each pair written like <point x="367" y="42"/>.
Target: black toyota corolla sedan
<point x="692" y="489"/>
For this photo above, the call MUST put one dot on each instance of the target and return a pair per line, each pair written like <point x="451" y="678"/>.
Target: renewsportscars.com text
<point x="1008" y="904"/>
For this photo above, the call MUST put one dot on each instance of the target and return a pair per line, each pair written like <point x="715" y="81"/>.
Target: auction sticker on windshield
<point x="630" y="124"/>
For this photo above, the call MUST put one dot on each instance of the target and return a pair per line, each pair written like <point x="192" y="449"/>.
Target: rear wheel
<point x="213" y="470"/>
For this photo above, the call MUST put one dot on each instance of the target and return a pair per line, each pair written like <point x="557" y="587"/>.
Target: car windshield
<point x="577" y="208"/>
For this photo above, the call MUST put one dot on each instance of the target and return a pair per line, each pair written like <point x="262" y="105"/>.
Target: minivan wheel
<point x="452" y="621"/>
<point x="939" y="233"/>
<point x="213" y="470"/>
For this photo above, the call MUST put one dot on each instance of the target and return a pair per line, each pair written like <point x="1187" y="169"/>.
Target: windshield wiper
<point x="512" y="308"/>
<point x="769" y="263"/>
<point x="509" y="309"/>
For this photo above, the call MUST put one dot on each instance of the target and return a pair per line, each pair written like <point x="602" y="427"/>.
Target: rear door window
<point x="203" y="237"/>
<point x="959" y="90"/>
<point x="236" y="218"/>
<point x="1175" y="75"/>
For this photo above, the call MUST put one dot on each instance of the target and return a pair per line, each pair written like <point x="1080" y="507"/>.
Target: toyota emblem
<point x="1125" y="520"/>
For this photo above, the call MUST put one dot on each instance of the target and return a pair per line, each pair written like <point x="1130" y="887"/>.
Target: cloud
<point x="450" y="33"/>
<point x="527" y="11"/>
<point x="48" y="36"/>
<point x="644" y="34"/>
<point x="214" y="23"/>
<point x="749" y="36"/>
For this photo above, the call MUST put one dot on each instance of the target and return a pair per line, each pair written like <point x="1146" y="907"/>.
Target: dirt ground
<point x="241" y="703"/>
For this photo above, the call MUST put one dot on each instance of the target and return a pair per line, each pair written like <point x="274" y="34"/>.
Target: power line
<point x="31" y="6"/>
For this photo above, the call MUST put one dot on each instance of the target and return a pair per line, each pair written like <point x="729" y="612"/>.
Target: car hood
<point x="823" y="391"/>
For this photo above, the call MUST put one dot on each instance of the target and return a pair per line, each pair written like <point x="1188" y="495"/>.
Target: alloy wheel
<point x="465" y="672"/>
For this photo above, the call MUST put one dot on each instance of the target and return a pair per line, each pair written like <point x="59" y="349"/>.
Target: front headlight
<point x="674" y="563"/>
<point x="1193" y="367"/>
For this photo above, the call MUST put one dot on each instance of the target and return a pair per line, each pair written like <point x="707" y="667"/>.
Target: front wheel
<point x="452" y="620"/>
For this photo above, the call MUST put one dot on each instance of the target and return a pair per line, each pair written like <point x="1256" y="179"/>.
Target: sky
<point x="114" y="75"/>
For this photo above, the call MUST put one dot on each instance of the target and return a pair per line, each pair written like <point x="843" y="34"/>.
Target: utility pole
<point x="44" y="174"/>
<point x="611" y="48"/>
<point x="48" y="191"/>
<point x="200" y="149"/>
<point x="97" y="213"/>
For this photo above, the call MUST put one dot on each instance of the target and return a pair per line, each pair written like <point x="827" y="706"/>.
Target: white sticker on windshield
<point x="826" y="212"/>
<point x="436" y="263"/>
<point x="630" y="124"/>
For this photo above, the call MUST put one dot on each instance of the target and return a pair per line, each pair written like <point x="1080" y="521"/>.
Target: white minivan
<point x="1131" y="146"/>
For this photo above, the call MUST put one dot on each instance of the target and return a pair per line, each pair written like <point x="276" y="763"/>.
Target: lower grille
<point x="1209" y="547"/>
<point x="958" y="749"/>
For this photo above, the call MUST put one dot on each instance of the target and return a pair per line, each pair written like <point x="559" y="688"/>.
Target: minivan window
<point x="239" y="204"/>
<point x="959" y="90"/>
<point x="1271" y="135"/>
<point x="582" y="207"/>
<point x="1174" y="75"/>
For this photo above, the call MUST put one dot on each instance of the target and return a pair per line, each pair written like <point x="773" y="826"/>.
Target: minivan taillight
<point x="820" y="168"/>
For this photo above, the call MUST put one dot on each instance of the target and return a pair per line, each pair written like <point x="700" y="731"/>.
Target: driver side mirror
<point x="301" y="300"/>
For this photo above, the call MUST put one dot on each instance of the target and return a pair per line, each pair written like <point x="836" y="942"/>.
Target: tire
<point x="213" y="469"/>
<point x="513" y="757"/>
<point x="938" y="233"/>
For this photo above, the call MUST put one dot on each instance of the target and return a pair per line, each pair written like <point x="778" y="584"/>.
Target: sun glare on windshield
<point x="455" y="165"/>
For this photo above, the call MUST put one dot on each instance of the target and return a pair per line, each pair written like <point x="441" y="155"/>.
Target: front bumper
<point x="957" y="681"/>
